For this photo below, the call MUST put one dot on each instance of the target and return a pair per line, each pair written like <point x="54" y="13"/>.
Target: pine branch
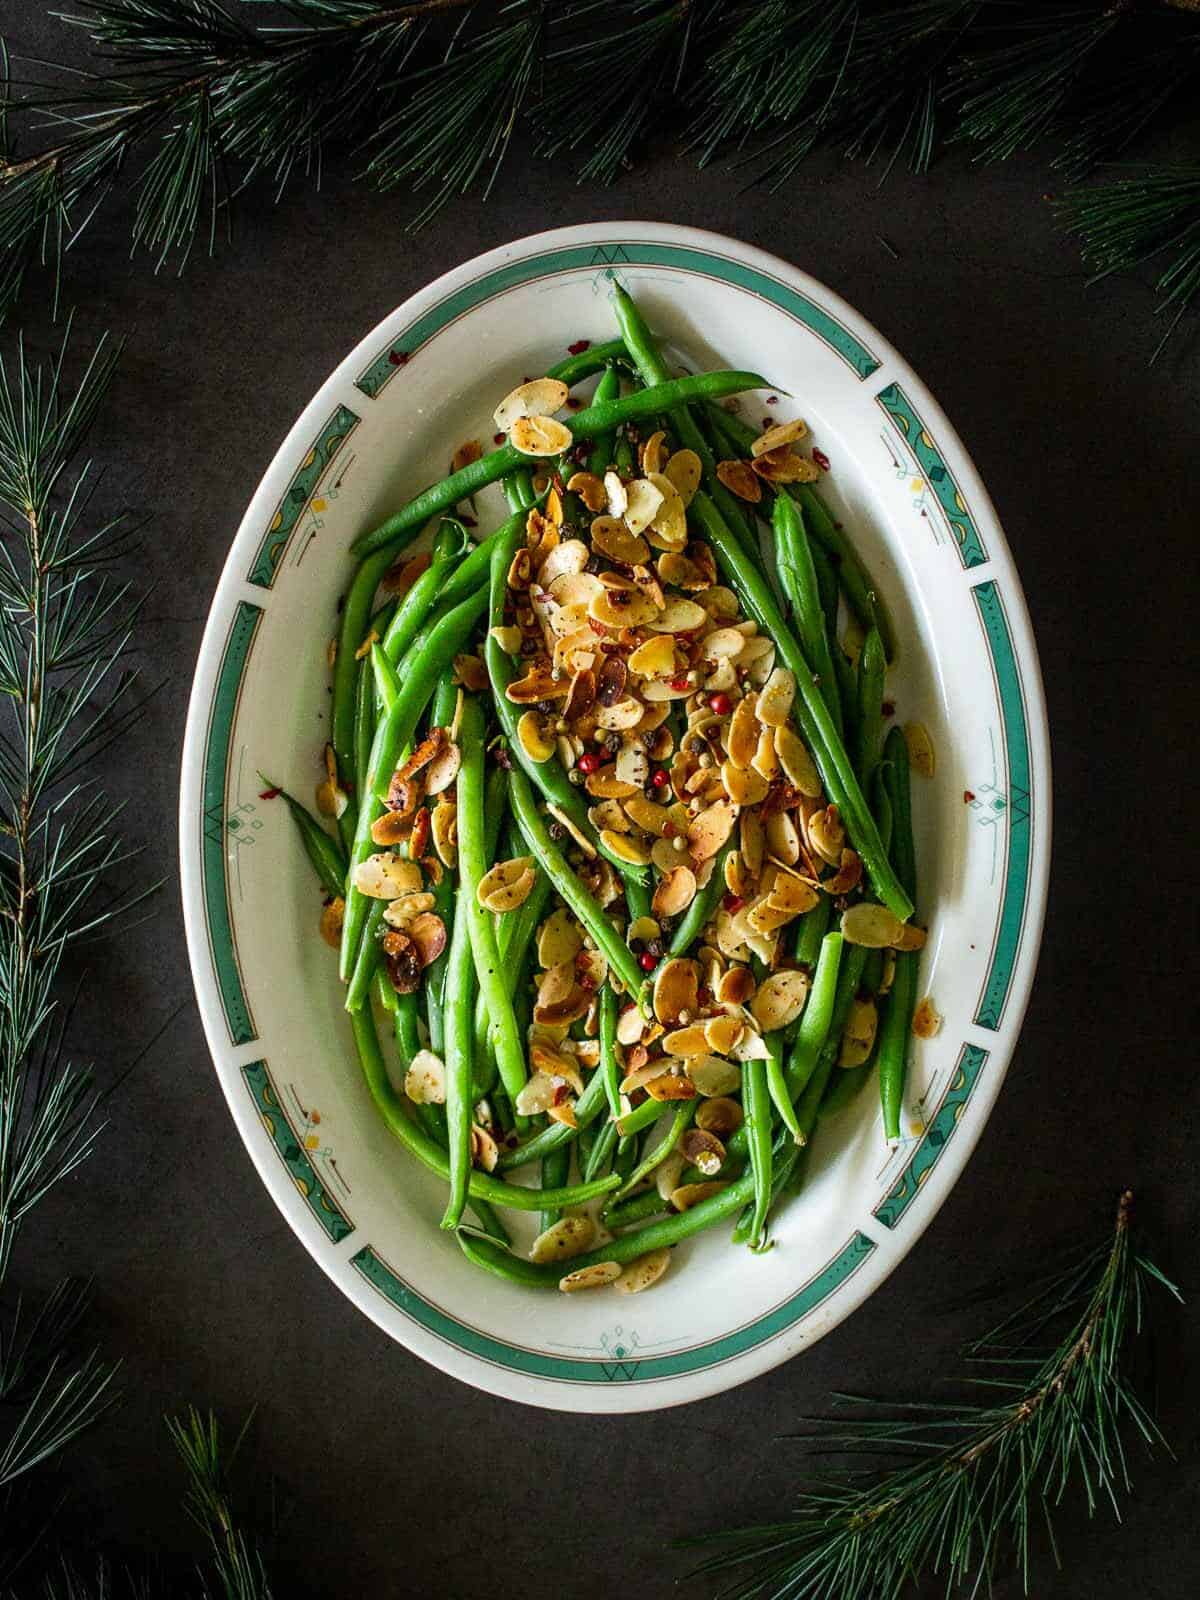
<point x="1152" y="213"/>
<point x="973" y="1475"/>
<point x="237" y="1571"/>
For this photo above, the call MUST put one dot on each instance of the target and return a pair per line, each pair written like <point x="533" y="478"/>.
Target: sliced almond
<point x="644" y="501"/>
<point x="537" y="1095"/>
<point x="665" y="689"/>
<point x="626" y="847"/>
<point x="784" y="465"/>
<point x="680" y="616"/>
<point x="563" y="1111"/>
<point x="920" y="749"/>
<point x="668" y="525"/>
<point x="642" y="930"/>
<point x="539" y="683"/>
<point x="737" y="985"/>
<point x="425" y="1080"/>
<point x="720" y="602"/>
<point x="858" y="1038"/>
<point x="603" y="784"/>
<point x="779" y="999"/>
<point x="643" y="1271"/>
<point x="927" y="1020"/>
<point x="612" y="538"/>
<point x="775" y="438"/>
<point x="796" y="762"/>
<point x="507" y="885"/>
<point x="722" y="1033"/>
<point x="911" y="937"/>
<point x="655" y="658"/>
<point x="508" y="638"/>
<point x="392" y="828"/>
<point x="765" y="918"/>
<point x="570" y="556"/>
<point x="444" y="828"/>
<point x="671" y="1086"/>
<point x="720" y="1115"/>
<point x="540" y="436"/>
<point x="793" y="894"/>
<point x="651" y="455"/>
<point x="593" y="1277"/>
<point x="741" y="739"/>
<point x="428" y="932"/>
<point x="535" y="733"/>
<point x="485" y="1152"/>
<point x="782" y="839"/>
<point x="443" y="769"/>
<point x="827" y="835"/>
<point x="559" y="939"/>
<point x="684" y="470"/>
<point x="538" y="397"/>
<point x="766" y="762"/>
<point x="753" y="842"/>
<point x="704" y="1150"/>
<point x="848" y="875"/>
<point x="714" y="1076"/>
<point x="384" y="876"/>
<point x="689" y="1041"/>
<point x="676" y="568"/>
<point x="589" y="488"/>
<point x="609" y="814"/>
<point x="710" y="830"/>
<point x="676" y="991"/>
<point x="675" y="892"/>
<point x="740" y="480"/>
<point x="569" y="1236"/>
<point x="722" y="644"/>
<point x="632" y="765"/>
<point x="751" y="1047"/>
<point x="743" y="785"/>
<point x="567" y="821"/>
<point x="332" y="918"/>
<point x="622" y="607"/>
<point x="871" y="925"/>
<point x="649" y="816"/>
<point x="775" y="701"/>
<point x="400" y="912"/>
<point x="691" y="1194"/>
<point x="629" y="1026"/>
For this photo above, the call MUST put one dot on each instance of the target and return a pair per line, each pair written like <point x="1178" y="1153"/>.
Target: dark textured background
<point x="387" y="1478"/>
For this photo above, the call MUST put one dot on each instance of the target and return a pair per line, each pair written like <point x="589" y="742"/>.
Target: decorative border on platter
<point x="904" y="418"/>
<point x="293" y="1153"/>
<point x="300" y="494"/>
<point x="218" y="828"/>
<point x="967" y="1071"/>
<point x="614" y="1364"/>
<point x="380" y="371"/>
<point x="1018" y="786"/>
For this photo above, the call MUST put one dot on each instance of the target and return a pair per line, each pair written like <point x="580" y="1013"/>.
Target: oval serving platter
<point x="384" y="425"/>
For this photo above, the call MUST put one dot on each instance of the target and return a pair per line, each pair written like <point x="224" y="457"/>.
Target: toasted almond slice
<point x="644" y="501"/>
<point x="559" y="939"/>
<point x="675" y="892"/>
<point x="722" y="1033"/>
<point x="680" y="616"/>
<point x="485" y="1152"/>
<point x="406" y="907"/>
<point x="676" y="991"/>
<point x="629" y="1026"/>
<point x="626" y="848"/>
<point x="507" y="885"/>
<point x="710" y="830"/>
<point x="766" y="917"/>
<point x="736" y="987"/>
<point x="684" y="471"/>
<point x="536" y="736"/>
<point x="668" y="525"/>
<point x="643" y="1271"/>
<point x="611" y="538"/>
<point x="779" y="999"/>
<point x="826" y="835"/>
<point x="568" y="557"/>
<point x="927" y="1020"/>
<point x="384" y="876"/>
<point x="775" y="438"/>
<point x="593" y="1277"/>
<point x="720" y="1115"/>
<point x="632" y="765"/>
<point x="537" y="1095"/>
<point x="871" y="925"/>
<point x="603" y="784"/>
<point x="508" y="638"/>
<point x="848" y="875"/>
<point x="425" y="1080"/>
<point x="671" y="1086"/>
<point x="858" y="1038"/>
<point x="624" y="607"/>
<point x="704" y="1150"/>
<point x="563" y="1111"/>
<point x="741" y="739"/>
<point x="751" y="1046"/>
<point x="792" y="894"/>
<point x="642" y="930"/>
<point x="782" y="839"/>
<point x="609" y="814"/>
<point x="775" y="701"/>
<point x="652" y="452"/>
<point x="689" y="1041"/>
<point x="737" y="878"/>
<point x="744" y="786"/>
<point x="920" y="749"/>
<point x="428" y="932"/>
<point x="444" y="828"/>
<point x="569" y="1236"/>
<point x="589" y="488"/>
<point x="653" y="818"/>
<point x="655" y="658"/>
<point x="332" y="917"/>
<point x="714" y="1076"/>
<point x="784" y="465"/>
<point x="540" y="436"/>
<point x="740" y="480"/>
<point x="443" y="769"/>
<point x="761" y="668"/>
<point x="756" y="649"/>
<point x="538" y="683"/>
<point x="691" y="1194"/>
<point x="392" y="828"/>
<point x="639" y="1075"/>
<point x="796" y="762"/>
<point x="665" y="856"/>
<point x="538" y="397"/>
<point x="520" y="571"/>
<point x="663" y="690"/>
<point x="911" y="937"/>
<point x="621" y="717"/>
<point x="680" y="570"/>
<point x="565" y="820"/>
<point x="753" y="842"/>
<point x="720" y="602"/>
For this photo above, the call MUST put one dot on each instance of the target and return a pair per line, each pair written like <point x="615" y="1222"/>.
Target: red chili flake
<point x="646" y="961"/>
<point x="270" y="794"/>
<point x="398" y="358"/>
<point x="658" y="778"/>
<point x="732" y="903"/>
<point x="574" y="403"/>
<point x="669" y="830"/>
<point x="720" y="703"/>
<point x="677" y="683"/>
<point x="888" y="708"/>
<point x="561" y="1091"/>
<point x="968" y="797"/>
<point x="498" y="438"/>
<point x="821" y="459"/>
<point x="598" y="627"/>
<point x="579" y="347"/>
<point x="772" y="399"/>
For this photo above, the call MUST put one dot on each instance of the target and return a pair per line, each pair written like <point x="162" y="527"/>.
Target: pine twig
<point x="974" y="1475"/>
<point x="236" y="1570"/>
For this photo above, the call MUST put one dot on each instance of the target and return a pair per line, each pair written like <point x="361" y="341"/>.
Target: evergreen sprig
<point x="189" y="101"/>
<point x="975" y="1477"/>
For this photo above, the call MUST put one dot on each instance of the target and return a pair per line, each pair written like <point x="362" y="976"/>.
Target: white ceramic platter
<point x="383" y="426"/>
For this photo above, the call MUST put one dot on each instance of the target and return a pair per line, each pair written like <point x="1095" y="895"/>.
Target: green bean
<point x="696" y="917"/>
<point x="599" y="1157"/>
<point x="594" y="419"/>
<point x="798" y="577"/>
<point x="587" y="1108"/>
<point x="364" y="720"/>
<point x="856" y="582"/>
<point x="473" y="863"/>
<point x="756" y="1103"/>
<point x="819" y="1014"/>
<point x="490" y="1222"/>
<point x="643" y="1116"/>
<point x="574" y="369"/>
<point x="659" y="1235"/>
<point x="513" y="939"/>
<point x="549" y="776"/>
<point x="356" y="611"/>
<point x="386" y="681"/>
<point x="896" y="1029"/>
<point x="460" y="986"/>
<point x="777" y="1086"/>
<point x="367" y="958"/>
<point x="518" y="491"/>
<point x="553" y="863"/>
<point x="626" y="1157"/>
<point x="480" y="1185"/>
<point x="846" y="1086"/>
<point x="872" y="668"/>
<point x="835" y="766"/>
<point x="635" y="1209"/>
<point x="609" y="1067"/>
<point x="643" y="348"/>
<point x="385" y="994"/>
<point x="881" y="804"/>
<point x="811" y="930"/>
<point x="608" y="388"/>
<point x="323" y="851"/>
<point x="658" y="1153"/>
<point x="443" y="642"/>
<point x="441" y="713"/>
<point x="556" y="1168"/>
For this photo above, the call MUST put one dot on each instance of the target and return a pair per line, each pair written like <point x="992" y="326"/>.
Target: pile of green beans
<point x="397" y="677"/>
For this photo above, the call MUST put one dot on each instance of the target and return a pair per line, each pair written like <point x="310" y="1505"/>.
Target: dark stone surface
<point x="392" y="1479"/>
